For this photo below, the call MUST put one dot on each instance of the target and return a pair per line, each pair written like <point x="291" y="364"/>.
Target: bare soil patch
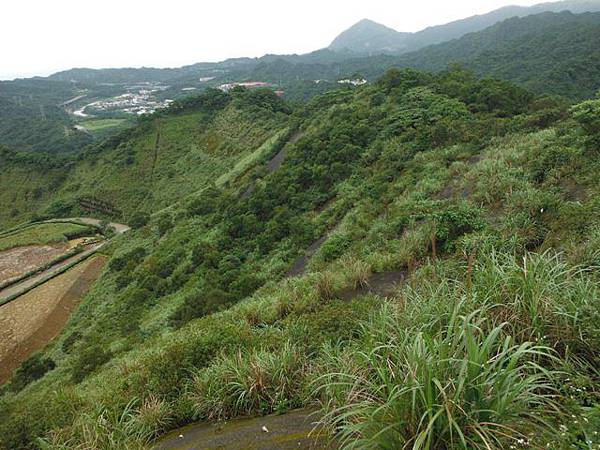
<point x="30" y="322"/>
<point x="383" y="284"/>
<point x="21" y="260"/>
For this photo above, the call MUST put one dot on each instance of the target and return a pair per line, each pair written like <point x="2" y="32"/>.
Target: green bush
<point x="200" y="304"/>
<point x="588" y="116"/>
<point x="134" y="257"/>
<point x="334" y="247"/>
<point x="139" y="220"/>
<point x="88" y="360"/>
<point x="164" y="224"/>
<point x="32" y="369"/>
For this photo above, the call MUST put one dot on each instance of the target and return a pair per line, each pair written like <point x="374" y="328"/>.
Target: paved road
<point x="39" y="278"/>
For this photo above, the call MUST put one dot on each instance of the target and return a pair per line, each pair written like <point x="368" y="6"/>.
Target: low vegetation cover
<point x="477" y="198"/>
<point x="44" y="233"/>
<point x="104" y="127"/>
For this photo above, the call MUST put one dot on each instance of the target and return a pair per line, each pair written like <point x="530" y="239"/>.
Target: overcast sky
<point x="39" y="37"/>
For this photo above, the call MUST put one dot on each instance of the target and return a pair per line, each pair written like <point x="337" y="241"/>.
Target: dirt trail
<point x="275" y="162"/>
<point x="118" y="227"/>
<point x="30" y="323"/>
<point x="293" y="430"/>
<point x="383" y="284"/>
<point x="301" y="262"/>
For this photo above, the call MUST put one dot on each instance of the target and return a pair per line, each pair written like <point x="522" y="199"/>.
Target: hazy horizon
<point x="64" y="34"/>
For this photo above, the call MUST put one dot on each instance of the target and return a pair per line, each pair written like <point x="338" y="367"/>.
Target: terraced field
<point x="37" y="317"/>
<point x="42" y="282"/>
<point x="19" y="261"/>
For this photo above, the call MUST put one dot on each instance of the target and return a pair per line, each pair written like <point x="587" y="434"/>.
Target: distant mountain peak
<point x="370" y="37"/>
<point x="366" y="35"/>
<point x="369" y="23"/>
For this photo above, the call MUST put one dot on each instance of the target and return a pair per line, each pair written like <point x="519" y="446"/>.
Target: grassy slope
<point x="147" y="170"/>
<point x="170" y="158"/>
<point x="95" y="125"/>
<point x="40" y="234"/>
<point x="27" y="185"/>
<point x="527" y="188"/>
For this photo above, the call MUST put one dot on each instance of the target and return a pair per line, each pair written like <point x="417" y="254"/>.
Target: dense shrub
<point x="334" y="247"/>
<point x="32" y="369"/>
<point x="139" y="220"/>
<point x="164" y="224"/>
<point x="199" y="304"/>
<point x="88" y="360"/>
<point x="134" y="257"/>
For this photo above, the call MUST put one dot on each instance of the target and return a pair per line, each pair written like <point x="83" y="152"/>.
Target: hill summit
<point x="369" y="37"/>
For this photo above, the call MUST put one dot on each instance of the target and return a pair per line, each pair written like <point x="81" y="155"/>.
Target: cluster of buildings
<point x="140" y="101"/>
<point x="246" y="84"/>
<point x="250" y="85"/>
<point x="351" y="81"/>
<point x="355" y="82"/>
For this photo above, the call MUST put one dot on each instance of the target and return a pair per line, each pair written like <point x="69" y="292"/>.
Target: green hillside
<point x="32" y="119"/>
<point x="418" y="257"/>
<point x="148" y="168"/>
<point x="546" y="53"/>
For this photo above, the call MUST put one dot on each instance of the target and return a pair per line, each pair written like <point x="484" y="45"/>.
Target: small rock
<point x="265" y="429"/>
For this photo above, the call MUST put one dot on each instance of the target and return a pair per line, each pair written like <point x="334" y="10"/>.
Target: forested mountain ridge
<point x="368" y="37"/>
<point x="553" y="53"/>
<point x="31" y="117"/>
<point x="476" y="197"/>
<point x="546" y="53"/>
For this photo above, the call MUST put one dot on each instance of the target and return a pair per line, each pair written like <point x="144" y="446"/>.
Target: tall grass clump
<point x="130" y="428"/>
<point x="541" y="298"/>
<point x="460" y="386"/>
<point x="251" y="381"/>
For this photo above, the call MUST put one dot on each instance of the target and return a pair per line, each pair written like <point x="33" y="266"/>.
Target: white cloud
<point x="41" y="36"/>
